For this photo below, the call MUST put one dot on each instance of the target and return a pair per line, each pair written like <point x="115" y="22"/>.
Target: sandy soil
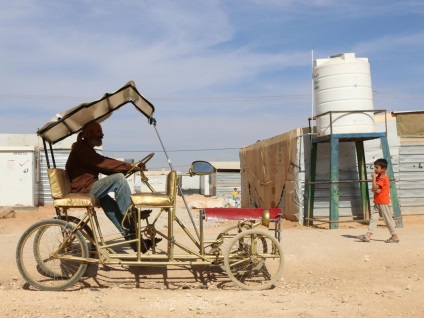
<point x="328" y="273"/>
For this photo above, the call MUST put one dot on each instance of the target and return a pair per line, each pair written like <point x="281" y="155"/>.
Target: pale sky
<point x="221" y="74"/>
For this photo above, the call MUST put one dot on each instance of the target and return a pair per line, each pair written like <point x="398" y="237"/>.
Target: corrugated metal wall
<point x="411" y="176"/>
<point x="225" y="182"/>
<point x="349" y="192"/>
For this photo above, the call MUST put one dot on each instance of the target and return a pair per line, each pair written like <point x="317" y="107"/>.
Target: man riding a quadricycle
<point x="53" y="254"/>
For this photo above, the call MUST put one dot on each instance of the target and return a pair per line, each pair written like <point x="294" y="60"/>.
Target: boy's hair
<point x="381" y="162"/>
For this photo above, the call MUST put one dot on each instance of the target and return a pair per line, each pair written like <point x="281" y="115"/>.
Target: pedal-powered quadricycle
<point x="53" y="254"/>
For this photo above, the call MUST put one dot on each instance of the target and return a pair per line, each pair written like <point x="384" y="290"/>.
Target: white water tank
<point x="343" y="83"/>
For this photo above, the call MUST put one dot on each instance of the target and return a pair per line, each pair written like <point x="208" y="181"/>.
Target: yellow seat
<point x="158" y="200"/>
<point x="61" y="192"/>
<point x="164" y="201"/>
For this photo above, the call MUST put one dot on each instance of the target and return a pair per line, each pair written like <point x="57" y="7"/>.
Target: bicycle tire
<point x="42" y="252"/>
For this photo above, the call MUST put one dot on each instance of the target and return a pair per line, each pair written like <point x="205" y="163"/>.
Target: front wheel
<point x="50" y="255"/>
<point x="254" y="260"/>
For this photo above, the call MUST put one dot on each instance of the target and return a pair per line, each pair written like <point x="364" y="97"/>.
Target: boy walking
<point x="381" y="189"/>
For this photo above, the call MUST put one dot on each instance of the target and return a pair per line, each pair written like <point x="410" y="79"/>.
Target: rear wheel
<point x="226" y="236"/>
<point x="254" y="260"/>
<point x="45" y="255"/>
<point x="235" y="229"/>
<point x="85" y="230"/>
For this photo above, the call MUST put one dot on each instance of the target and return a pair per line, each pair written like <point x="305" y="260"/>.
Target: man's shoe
<point x="145" y="214"/>
<point x="157" y="240"/>
<point x="146" y="244"/>
<point x="134" y="246"/>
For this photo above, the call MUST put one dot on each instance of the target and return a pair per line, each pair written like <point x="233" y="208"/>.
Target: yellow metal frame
<point x="167" y="204"/>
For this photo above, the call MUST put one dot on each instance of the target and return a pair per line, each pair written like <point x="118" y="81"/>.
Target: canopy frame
<point x="71" y="121"/>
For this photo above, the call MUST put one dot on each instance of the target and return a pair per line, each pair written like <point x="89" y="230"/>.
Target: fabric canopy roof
<point x="71" y="121"/>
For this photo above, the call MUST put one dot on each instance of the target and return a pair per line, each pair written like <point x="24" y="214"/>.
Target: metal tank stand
<point x="334" y="140"/>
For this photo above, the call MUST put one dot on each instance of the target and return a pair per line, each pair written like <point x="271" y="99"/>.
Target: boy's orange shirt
<point x="384" y="183"/>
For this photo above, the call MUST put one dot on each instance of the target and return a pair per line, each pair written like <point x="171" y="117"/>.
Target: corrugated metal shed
<point x="411" y="175"/>
<point x="226" y="165"/>
<point x="225" y="178"/>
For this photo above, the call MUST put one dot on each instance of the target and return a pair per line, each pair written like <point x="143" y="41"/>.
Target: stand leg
<point x="334" y="174"/>
<point x="311" y="194"/>
<point x="365" y="195"/>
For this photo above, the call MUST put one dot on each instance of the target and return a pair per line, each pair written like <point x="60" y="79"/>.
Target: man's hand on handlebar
<point x="139" y="166"/>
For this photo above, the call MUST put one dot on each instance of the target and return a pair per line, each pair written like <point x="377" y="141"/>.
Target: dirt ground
<point x="328" y="273"/>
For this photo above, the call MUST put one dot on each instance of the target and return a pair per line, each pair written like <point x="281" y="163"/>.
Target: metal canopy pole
<point x="153" y="122"/>
<point x="52" y="154"/>
<point x="46" y="152"/>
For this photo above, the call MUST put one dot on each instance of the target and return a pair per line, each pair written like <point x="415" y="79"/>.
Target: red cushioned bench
<point x="245" y="214"/>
